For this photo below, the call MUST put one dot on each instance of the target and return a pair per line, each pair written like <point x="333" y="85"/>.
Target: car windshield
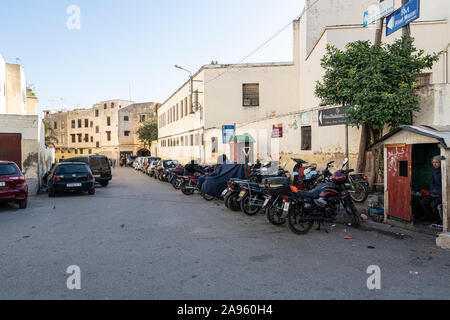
<point x="8" y="169"/>
<point x="73" y="168"/>
<point x="171" y="164"/>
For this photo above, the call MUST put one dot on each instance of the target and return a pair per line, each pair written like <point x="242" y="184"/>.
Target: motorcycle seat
<point x="308" y="194"/>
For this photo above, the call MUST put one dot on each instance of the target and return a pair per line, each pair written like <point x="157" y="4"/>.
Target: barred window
<point x="250" y="95"/>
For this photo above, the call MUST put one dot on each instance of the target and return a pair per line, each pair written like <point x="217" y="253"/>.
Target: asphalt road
<point x="141" y="239"/>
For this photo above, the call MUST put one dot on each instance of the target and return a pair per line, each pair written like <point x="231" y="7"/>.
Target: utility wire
<point x="261" y="46"/>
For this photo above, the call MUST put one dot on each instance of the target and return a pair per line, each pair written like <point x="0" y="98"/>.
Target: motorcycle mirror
<point x="345" y="162"/>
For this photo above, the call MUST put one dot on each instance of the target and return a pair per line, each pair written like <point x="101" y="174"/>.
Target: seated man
<point x="431" y="203"/>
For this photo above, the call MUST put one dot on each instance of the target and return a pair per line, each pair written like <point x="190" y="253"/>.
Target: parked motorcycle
<point x="320" y="205"/>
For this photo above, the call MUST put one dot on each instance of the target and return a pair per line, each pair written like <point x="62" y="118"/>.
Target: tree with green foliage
<point x="148" y="132"/>
<point x="378" y="83"/>
<point x="50" y="138"/>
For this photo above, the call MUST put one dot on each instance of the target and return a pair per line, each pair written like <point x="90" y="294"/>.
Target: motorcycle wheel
<point x="186" y="191"/>
<point x="247" y="207"/>
<point x="274" y="216"/>
<point x="176" y="183"/>
<point x="361" y="193"/>
<point x="207" y="197"/>
<point x="350" y="208"/>
<point x="226" y="198"/>
<point x="233" y="204"/>
<point x="297" y="226"/>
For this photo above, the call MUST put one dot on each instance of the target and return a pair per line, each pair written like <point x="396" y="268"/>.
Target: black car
<point x="69" y="177"/>
<point x="100" y="168"/>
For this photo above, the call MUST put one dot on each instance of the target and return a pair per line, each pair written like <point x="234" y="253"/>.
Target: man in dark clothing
<point x="431" y="203"/>
<point x="192" y="168"/>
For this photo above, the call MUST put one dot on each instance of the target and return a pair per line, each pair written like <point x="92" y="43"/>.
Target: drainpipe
<point x="446" y="63"/>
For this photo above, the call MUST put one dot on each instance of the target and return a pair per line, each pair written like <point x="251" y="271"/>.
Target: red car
<point x="13" y="187"/>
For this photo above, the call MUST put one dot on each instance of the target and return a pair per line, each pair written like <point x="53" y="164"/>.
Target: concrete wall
<point x="434" y="104"/>
<point x="2" y="86"/>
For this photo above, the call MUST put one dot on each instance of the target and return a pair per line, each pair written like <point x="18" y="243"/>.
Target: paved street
<point x="141" y="239"/>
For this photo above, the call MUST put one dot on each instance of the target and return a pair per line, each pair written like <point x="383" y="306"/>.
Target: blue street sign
<point x="403" y="16"/>
<point x="227" y="133"/>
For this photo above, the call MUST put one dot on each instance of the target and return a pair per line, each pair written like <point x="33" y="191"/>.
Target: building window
<point x="186" y="106"/>
<point x="143" y="118"/>
<point x="97" y="144"/>
<point x="108" y="135"/>
<point x="92" y="139"/>
<point x="97" y="129"/>
<point x="86" y="137"/>
<point x="105" y="106"/>
<point x="97" y="113"/>
<point x="80" y="137"/>
<point x="306" y="138"/>
<point x="86" y="123"/>
<point x="108" y="121"/>
<point x="90" y="151"/>
<point x="63" y="139"/>
<point x="55" y="125"/>
<point x="81" y="151"/>
<point x="182" y="109"/>
<point x="92" y="124"/>
<point x="112" y="105"/>
<point x="250" y="95"/>
<point x="63" y="124"/>
<point x="126" y="133"/>
<point x="73" y="124"/>
<point x="403" y="169"/>
<point x="126" y="118"/>
<point x="76" y="151"/>
<point x="79" y="123"/>
<point x="73" y="138"/>
<point x="178" y="112"/>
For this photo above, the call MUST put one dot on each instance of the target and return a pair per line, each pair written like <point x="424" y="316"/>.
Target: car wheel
<point x="92" y="191"/>
<point x="104" y="184"/>
<point x="23" y="204"/>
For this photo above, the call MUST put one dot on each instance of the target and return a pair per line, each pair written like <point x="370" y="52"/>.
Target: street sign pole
<point x="406" y="30"/>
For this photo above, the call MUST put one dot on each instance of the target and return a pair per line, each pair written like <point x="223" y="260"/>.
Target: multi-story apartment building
<point x="130" y="119"/>
<point x="104" y="129"/>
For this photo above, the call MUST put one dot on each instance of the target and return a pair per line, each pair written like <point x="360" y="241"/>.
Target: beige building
<point x="15" y="90"/>
<point x="130" y="120"/>
<point x="22" y="136"/>
<point x="2" y="86"/>
<point x="224" y="95"/>
<point x="108" y="128"/>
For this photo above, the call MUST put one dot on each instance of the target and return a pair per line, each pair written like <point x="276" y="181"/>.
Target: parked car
<point x="13" y="187"/>
<point x="138" y="163"/>
<point x="130" y="160"/>
<point x="152" y="168"/>
<point x="162" y="169"/>
<point x="70" y="177"/>
<point x="99" y="166"/>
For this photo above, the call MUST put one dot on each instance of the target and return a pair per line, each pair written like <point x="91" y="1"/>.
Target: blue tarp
<point x="214" y="183"/>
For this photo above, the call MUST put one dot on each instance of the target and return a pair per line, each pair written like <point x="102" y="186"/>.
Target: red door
<point x="11" y="148"/>
<point x="399" y="171"/>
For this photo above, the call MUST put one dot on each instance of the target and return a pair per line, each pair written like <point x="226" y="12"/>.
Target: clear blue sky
<point x="136" y="42"/>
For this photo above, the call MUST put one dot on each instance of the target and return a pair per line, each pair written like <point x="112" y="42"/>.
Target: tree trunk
<point x="361" y="166"/>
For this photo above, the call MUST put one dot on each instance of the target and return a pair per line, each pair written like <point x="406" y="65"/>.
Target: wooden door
<point x="399" y="173"/>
